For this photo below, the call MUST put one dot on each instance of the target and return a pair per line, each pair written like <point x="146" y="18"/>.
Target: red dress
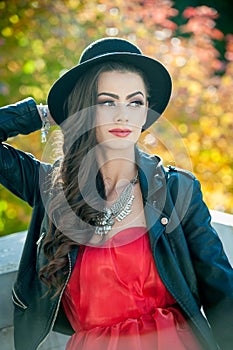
<point x="115" y="300"/>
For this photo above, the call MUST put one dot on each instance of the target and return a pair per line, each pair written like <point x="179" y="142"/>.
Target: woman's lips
<point x="120" y="132"/>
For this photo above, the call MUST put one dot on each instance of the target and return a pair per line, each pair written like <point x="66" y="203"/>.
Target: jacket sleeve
<point x="20" y="172"/>
<point x="19" y="118"/>
<point x="213" y="270"/>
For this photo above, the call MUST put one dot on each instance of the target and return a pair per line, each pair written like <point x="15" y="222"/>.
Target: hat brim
<point x="156" y="75"/>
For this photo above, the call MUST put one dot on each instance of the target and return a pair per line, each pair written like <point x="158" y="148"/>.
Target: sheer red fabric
<point x="115" y="300"/>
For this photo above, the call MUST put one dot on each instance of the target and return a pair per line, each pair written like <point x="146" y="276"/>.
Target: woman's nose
<point x="121" y="113"/>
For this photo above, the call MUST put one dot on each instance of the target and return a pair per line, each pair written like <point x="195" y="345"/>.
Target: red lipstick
<point x="120" y="132"/>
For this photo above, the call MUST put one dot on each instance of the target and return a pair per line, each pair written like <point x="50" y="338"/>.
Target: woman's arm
<point x="20" y="118"/>
<point x="20" y="172"/>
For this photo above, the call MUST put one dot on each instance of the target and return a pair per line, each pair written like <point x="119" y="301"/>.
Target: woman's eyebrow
<point x="117" y="97"/>
<point x="108" y="94"/>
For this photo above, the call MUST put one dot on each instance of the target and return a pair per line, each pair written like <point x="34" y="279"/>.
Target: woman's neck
<point x="117" y="169"/>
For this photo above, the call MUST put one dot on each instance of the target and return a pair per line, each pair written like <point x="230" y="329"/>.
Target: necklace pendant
<point x="102" y="230"/>
<point x="104" y="223"/>
<point x="119" y="210"/>
<point x="123" y="215"/>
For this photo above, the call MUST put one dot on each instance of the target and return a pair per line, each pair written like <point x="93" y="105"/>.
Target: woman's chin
<point x="114" y="145"/>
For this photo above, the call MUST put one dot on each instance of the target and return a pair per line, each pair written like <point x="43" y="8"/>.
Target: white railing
<point x="10" y="251"/>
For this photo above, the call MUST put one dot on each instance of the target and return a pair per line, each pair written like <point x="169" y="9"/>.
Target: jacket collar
<point x="151" y="173"/>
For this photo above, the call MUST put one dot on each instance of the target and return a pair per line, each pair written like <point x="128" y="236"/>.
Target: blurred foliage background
<point x="40" y="40"/>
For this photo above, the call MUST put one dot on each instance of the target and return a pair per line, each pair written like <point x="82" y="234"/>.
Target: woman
<point x="120" y="251"/>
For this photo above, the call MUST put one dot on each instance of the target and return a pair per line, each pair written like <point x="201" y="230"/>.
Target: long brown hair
<point x="77" y="186"/>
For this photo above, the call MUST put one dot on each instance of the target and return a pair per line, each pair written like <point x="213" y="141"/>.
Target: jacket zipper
<point x="38" y="242"/>
<point x="17" y="301"/>
<point x="58" y="303"/>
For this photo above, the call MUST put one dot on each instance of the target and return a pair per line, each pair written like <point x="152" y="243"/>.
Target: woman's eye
<point x="107" y="103"/>
<point x="137" y="103"/>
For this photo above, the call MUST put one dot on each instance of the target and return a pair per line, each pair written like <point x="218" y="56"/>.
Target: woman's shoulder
<point x="170" y="171"/>
<point x="174" y="171"/>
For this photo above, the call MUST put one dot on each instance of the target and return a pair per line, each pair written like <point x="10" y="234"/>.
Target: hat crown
<point x="108" y="46"/>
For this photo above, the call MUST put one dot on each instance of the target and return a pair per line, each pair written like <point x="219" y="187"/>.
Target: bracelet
<point x="45" y="123"/>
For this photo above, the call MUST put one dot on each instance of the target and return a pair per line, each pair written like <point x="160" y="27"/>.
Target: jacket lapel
<point x="152" y="181"/>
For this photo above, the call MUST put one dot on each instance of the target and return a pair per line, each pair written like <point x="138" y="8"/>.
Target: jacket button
<point x="164" y="221"/>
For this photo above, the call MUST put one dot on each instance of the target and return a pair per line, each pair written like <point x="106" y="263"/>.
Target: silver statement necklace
<point x="119" y="210"/>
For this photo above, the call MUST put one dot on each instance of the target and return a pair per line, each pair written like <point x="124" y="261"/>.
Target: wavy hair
<point x="77" y="186"/>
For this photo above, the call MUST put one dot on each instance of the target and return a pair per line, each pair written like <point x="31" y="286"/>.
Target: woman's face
<point x="121" y="109"/>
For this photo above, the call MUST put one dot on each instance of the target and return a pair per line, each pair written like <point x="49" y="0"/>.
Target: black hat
<point x="119" y="50"/>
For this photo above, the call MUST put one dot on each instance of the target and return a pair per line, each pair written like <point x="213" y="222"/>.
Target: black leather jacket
<point x="187" y="251"/>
